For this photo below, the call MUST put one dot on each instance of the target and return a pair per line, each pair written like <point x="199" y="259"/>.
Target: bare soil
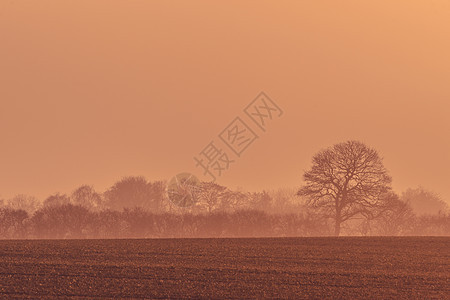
<point x="345" y="267"/>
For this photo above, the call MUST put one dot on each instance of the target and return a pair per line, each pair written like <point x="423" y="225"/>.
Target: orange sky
<point x="91" y="91"/>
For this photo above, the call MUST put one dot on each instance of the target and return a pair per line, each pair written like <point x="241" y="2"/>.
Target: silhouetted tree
<point x="159" y="196"/>
<point x="28" y="203"/>
<point x="436" y="225"/>
<point x="135" y="191"/>
<point x="261" y="201"/>
<point x="61" y="221"/>
<point x="109" y="224"/>
<point x="234" y="200"/>
<point x="140" y="222"/>
<point x="211" y="195"/>
<point x="392" y="217"/>
<point x="425" y="202"/>
<point x="345" y="180"/>
<point x="56" y="200"/>
<point x="12" y="223"/>
<point x="87" y="197"/>
<point x="284" y="200"/>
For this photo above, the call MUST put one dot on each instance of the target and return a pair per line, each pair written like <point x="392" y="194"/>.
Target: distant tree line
<point x="347" y="191"/>
<point x="88" y="214"/>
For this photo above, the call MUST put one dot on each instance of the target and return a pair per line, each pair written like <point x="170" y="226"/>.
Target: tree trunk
<point x="337" y="228"/>
<point x="337" y="223"/>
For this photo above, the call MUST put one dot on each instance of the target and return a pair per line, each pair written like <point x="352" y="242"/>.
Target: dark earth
<point x="345" y="267"/>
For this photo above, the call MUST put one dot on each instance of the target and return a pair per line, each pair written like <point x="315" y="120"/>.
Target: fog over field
<point x="337" y="198"/>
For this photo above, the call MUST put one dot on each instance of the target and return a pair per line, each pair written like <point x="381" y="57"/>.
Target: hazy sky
<point x="91" y="91"/>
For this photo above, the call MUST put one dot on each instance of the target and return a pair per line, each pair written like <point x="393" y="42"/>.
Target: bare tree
<point x="135" y="191"/>
<point x="56" y="200"/>
<point x="12" y="223"/>
<point x="285" y="200"/>
<point x="392" y="217"/>
<point x="262" y="201"/>
<point x="424" y="202"/>
<point x="234" y="200"/>
<point x="28" y="203"/>
<point x="346" y="180"/>
<point x="87" y="197"/>
<point x="211" y="194"/>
